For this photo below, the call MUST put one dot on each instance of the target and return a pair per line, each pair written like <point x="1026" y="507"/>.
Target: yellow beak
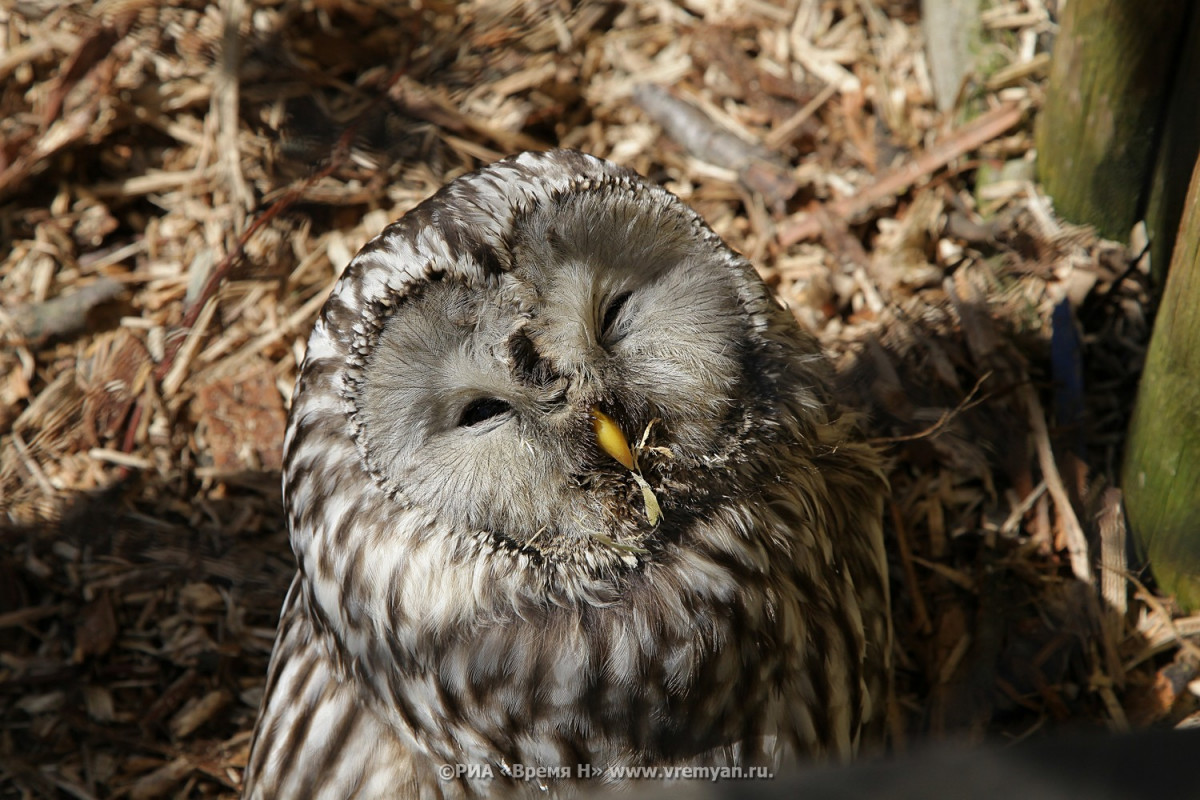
<point x="611" y="439"/>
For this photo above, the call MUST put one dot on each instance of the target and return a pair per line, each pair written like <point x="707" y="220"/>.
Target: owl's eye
<point x="608" y="325"/>
<point x="481" y="410"/>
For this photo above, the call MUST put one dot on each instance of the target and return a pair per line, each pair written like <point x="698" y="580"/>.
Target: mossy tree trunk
<point x="1110" y="75"/>
<point x="1162" y="459"/>
<point x="1177" y="151"/>
<point x="952" y="42"/>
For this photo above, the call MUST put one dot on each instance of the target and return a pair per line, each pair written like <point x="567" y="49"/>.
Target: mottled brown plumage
<point x="480" y="582"/>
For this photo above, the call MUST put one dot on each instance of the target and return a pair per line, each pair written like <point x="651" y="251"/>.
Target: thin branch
<point x="978" y="132"/>
<point x="966" y="404"/>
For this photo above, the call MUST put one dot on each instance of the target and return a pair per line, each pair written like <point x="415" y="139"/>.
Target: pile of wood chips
<point x="181" y="183"/>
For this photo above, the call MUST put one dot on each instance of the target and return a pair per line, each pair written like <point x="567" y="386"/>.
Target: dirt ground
<point x="181" y="183"/>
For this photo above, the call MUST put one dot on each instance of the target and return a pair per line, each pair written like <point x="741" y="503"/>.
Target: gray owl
<point x="569" y="496"/>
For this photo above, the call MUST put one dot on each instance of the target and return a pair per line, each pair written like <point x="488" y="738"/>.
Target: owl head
<point x="456" y="382"/>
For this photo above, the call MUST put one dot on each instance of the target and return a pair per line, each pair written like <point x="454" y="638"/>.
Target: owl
<point x="569" y="496"/>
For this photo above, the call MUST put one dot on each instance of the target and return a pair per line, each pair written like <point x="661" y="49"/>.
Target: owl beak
<point x="612" y="439"/>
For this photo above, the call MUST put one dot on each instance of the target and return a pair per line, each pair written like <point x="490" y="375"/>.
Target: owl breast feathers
<point x="568" y="492"/>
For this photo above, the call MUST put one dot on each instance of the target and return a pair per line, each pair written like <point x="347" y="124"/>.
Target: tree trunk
<point x="1110" y="75"/>
<point x="1177" y="151"/>
<point x="952" y="43"/>
<point x="1161" y="474"/>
